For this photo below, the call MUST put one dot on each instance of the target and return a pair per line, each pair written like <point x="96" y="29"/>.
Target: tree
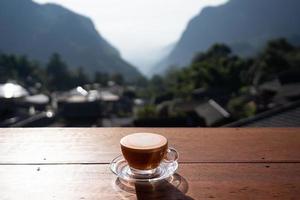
<point x="8" y="69"/>
<point x="216" y="68"/>
<point x="80" y="77"/>
<point x="58" y="73"/>
<point x="141" y="82"/>
<point x="24" y="68"/>
<point x="216" y="51"/>
<point x="101" y="78"/>
<point x="157" y="86"/>
<point x="278" y="56"/>
<point x="118" y="78"/>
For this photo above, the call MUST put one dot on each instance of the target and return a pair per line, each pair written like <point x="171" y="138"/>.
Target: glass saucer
<point x="119" y="167"/>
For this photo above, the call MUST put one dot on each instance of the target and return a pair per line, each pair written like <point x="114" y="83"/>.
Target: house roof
<point x="211" y="112"/>
<point x="37" y="99"/>
<point x="283" y="116"/>
<point x="12" y="90"/>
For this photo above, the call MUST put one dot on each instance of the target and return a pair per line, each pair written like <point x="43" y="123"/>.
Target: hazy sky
<point x="138" y="27"/>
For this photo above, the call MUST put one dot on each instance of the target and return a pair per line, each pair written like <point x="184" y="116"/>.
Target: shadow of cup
<point x="174" y="187"/>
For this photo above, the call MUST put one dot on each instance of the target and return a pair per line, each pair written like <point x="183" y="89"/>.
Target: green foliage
<point x="80" y="77"/>
<point x="156" y="86"/>
<point x="118" y="78"/>
<point x="241" y="108"/>
<point x="58" y="73"/>
<point x="147" y="111"/>
<point x="141" y="82"/>
<point x="216" y="51"/>
<point x="278" y="56"/>
<point x="216" y="68"/>
<point x="219" y="69"/>
<point x="22" y="70"/>
<point x="101" y="78"/>
<point x="56" y="76"/>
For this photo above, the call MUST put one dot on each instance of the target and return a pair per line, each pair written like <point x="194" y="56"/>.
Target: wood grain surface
<point x="224" y="164"/>
<point x="194" y="181"/>
<point x="101" y="145"/>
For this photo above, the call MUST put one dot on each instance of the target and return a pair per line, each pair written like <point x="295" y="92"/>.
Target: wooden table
<point x="214" y="164"/>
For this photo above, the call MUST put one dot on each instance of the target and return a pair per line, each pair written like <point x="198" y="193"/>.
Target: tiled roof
<point x="284" y="116"/>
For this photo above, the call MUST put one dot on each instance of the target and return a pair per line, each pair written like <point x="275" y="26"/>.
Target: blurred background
<point x="173" y="63"/>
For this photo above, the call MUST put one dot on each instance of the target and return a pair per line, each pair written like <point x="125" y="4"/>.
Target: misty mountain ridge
<point x="39" y="30"/>
<point x="155" y="56"/>
<point x="244" y="25"/>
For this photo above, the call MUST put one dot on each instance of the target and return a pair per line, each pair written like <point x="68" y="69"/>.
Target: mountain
<point x="245" y="25"/>
<point x="154" y="56"/>
<point x="38" y="31"/>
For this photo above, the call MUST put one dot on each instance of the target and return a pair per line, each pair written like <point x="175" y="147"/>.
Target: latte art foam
<point x="143" y="141"/>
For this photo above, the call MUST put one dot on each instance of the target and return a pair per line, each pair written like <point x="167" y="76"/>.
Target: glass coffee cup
<point x="144" y="152"/>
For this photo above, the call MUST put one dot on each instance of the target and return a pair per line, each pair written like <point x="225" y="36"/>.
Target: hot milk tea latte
<point x="144" y="151"/>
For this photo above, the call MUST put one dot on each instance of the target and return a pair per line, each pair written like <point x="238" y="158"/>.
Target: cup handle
<point x="171" y="155"/>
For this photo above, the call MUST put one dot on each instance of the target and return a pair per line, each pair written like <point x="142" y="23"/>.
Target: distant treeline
<point x="219" y="70"/>
<point x="55" y="76"/>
